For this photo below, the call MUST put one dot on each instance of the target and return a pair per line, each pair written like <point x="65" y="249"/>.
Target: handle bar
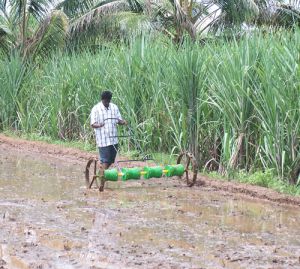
<point x="111" y="119"/>
<point x="117" y="135"/>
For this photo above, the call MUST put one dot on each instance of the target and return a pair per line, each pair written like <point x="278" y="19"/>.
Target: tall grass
<point x="234" y="104"/>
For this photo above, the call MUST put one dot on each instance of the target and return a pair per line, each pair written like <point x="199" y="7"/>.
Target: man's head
<point x="106" y="97"/>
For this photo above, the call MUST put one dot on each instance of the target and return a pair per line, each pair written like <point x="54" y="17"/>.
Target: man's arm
<point x="95" y="119"/>
<point x="122" y="122"/>
<point x="97" y="125"/>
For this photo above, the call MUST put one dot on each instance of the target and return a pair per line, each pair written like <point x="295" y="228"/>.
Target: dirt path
<point x="80" y="157"/>
<point x="49" y="219"/>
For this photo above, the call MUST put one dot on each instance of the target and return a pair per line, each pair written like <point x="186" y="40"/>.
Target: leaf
<point x="75" y="8"/>
<point x="50" y="36"/>
<point x="94" y="17"/>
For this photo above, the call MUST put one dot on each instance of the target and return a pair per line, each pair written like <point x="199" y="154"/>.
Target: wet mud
<point x="48" y="219"/>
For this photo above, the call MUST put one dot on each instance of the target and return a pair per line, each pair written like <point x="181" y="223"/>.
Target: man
<point x="104" y="119"/>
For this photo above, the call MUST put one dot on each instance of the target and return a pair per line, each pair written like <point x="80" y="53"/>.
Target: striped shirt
<point x="106" y="135"/>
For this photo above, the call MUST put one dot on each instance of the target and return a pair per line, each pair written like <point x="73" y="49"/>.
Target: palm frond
<point x="287" y="14"/>
<point x="39" y="8"/>
<point x="237" y="11"/>
<point x="76" y="8"/>
<point x="4" y="40"/>
<point x="132" y="24"/>
<point x="162" y="11"/>
<point x="3" y="8"/>
<point x="136" y="6"/>
<point x="50" y="36"/>
<point x="93" y="17"/>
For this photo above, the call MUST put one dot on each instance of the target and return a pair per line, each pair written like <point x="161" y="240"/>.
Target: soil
<point x="49" y="219"/>
<point x="78" y="156"/>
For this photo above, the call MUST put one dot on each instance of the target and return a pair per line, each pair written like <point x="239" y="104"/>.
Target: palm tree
<point x="194" y="17"/>
<point x="279" y="13"/>
<point x="198" y="17"/>
<point x="109" y="19"/>
<point x="230" y="14"/>
<point x="36" y="27"/>
<point x="33" y="28"/>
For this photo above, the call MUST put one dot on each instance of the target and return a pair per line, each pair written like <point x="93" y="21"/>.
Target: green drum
<point x="174" y="170"/>
<point x="155" y="171"/>
<point x="111" y="175"/>
<point x="131" y="173"/>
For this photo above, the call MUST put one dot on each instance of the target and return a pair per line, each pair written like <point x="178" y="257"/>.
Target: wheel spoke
<point x="188" y="163"/>
<point x="91" y="184"/>
<point x="91" y="172"/>
<point x="95" y="167"/>
<point x="190" y="167"/>
<point x="101" y="188"/>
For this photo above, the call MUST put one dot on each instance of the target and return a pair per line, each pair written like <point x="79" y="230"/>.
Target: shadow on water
<point x="49" y="220"/>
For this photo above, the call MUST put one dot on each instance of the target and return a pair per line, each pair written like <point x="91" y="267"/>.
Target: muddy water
<point x="49" y="220"/>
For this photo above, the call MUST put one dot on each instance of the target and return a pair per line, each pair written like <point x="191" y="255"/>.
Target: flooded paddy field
<point x="48" y="219"/>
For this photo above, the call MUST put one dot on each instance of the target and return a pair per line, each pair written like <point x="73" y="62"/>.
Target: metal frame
<point x="188" y="159"/>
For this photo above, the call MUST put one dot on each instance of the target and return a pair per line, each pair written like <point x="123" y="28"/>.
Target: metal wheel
<point x="190" y="168"/>
<point x="91" y="176"/>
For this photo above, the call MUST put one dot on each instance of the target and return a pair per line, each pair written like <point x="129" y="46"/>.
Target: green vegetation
<point x="34" y="29"/>
<point x="264" y="179"/>
<point x="233" y="103"/>
<point x="220" y="79"/>
<point x="77" y="144"/>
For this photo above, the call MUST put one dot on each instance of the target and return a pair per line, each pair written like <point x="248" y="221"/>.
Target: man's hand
<point x="122" y="122"/>
<point x="97" y="125"/>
